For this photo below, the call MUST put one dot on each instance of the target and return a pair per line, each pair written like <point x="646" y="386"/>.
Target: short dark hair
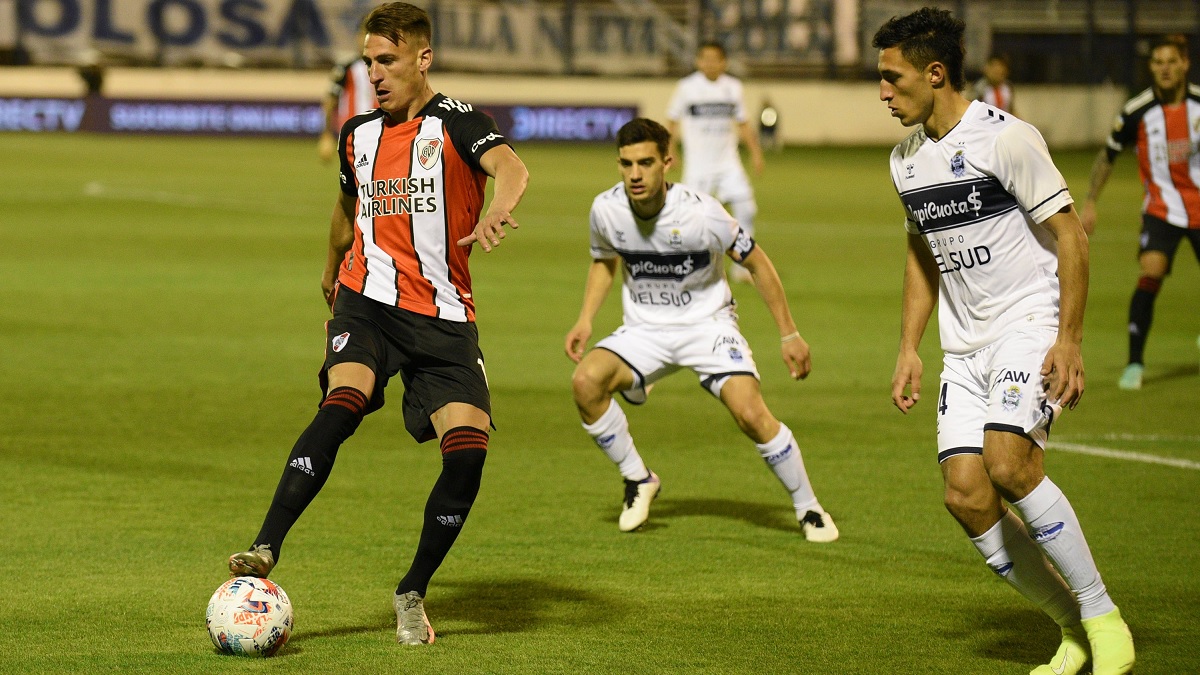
<point x="1176" y="40"/>
<point x="712" y="44"/>
<point x="640" y="130"/>
<point x="927" y="35"/>
<point x="399" y="21"/>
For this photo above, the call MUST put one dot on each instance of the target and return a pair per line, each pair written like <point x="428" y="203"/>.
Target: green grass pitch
<point x="162" y="329"/>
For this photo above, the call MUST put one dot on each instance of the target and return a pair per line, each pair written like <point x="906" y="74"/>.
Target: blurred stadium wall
<point x="1074" y="61"/>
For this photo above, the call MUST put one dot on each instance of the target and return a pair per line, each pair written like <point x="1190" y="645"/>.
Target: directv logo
<point x="780" y="456"/>
<point x="304" y="464"/>
<point x="605" y="442"/>
<point x="1002" y="570"/>
<point x="451" y="521"/>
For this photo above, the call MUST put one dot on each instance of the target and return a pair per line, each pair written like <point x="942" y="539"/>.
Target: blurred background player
<point x="396" y="277"/>
<point x="709" y="109"/>
<point x="671" y="241"/>
<point x="1162" y="123"/>
<point x="994" y="88"/>
<point x="350" y="93"/>
<point x="1009" y="278"/>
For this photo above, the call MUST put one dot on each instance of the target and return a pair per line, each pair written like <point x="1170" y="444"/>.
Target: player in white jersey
<point x="671" y="241"/>
<point x="708" y="107"/>
<point x="994" y="242"/>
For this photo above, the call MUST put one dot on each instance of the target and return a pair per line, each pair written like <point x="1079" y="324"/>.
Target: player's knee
<point x="589" y="386"/>
<point x="965" y="505"/>
<point x="1013" y="479"/>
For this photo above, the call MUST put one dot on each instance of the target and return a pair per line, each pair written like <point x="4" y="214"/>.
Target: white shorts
<point x="998" y="387"/>
<point x="728" y="186"/>
<point x="714" y="350"/>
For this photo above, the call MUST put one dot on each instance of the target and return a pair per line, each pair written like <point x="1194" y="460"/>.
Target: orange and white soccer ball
<point x="248" y="616"/>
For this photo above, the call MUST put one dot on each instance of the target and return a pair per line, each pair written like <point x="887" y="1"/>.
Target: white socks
<point x="1014" y="556"/>
<point x="782" y="454"/>
<point x="1054" y="526"/>
<point x="611" y="433"/>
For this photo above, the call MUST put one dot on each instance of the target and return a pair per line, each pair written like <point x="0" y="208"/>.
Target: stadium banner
<point x="578" y="37"/>
<point x="280" y="118"/>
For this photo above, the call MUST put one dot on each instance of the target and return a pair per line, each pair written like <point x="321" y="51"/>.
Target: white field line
<point x="1125" y="455"/>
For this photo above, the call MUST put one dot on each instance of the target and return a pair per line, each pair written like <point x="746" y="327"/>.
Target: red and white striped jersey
<point x="419" y="189"/>
<point x="998" y="96"/>
<point x="1168" y="152"/>
<point x="352" y="87"/>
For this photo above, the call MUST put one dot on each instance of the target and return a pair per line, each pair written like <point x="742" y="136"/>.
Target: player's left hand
<point x="797" y="358"/>
<point x="1062" y="374"/>
<point x="490" y="230"/>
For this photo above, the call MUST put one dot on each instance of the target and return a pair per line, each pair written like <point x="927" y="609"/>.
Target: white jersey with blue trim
<point x="674" y="263"/>
<point x="978" y="197"/>
<point x="708" y="112"/>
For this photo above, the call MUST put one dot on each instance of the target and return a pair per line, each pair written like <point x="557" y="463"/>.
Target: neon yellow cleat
<point x="1072" y="655"/>
<point x="1111" y="642"/>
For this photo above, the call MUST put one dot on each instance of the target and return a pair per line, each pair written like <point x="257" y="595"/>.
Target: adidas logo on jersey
<point x="362" y="162"/>
<point x="451" y="521"/>
<point x="304" y="464"/>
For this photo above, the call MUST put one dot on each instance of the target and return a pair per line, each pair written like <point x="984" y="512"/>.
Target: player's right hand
<point x="907" y="376"/>
<point x="576" y="342"/>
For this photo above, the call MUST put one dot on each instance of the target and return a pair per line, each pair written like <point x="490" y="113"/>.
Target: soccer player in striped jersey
<point x="670" y="242"/>
<point x="995" y="244"/>
<point x="409" y="210"/>
<point x="1163" y="123"/>
<point x="350" y="94"/>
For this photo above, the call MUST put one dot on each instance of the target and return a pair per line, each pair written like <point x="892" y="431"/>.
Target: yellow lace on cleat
<point x="1111" y="642"/>
<point x="1072" y="655"/>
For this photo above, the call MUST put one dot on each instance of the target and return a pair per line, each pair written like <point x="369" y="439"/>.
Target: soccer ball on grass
<point x="248" y="616"/>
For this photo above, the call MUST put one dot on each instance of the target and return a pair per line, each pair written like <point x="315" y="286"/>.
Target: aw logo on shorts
<point x="1011" y="398"/>
<point x="339" y="342"/>
<point x="429" y="151"/>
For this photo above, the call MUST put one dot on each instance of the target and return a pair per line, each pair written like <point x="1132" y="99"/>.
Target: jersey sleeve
<point x="337" y="79"/>
<point x="473" y="133"/>
<point x="739" y="102"/>
<point x="602" y="248"/>
<point x="677" y="108"/>
<point x="1024" y="168"/>
<point x="349" y="182"/>
<point x="1123" y="133"/>
<point x="910" y="225"/>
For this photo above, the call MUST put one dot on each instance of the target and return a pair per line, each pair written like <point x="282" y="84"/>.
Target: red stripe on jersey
<point x="452" y="209"/>
<point x="1155" y="206"/>
<point x="1179" y="148"/>
<point x="998" y="92"/>
<point x="462" y="211"/>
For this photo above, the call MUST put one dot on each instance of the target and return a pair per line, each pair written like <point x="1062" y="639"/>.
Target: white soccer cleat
<point x="818" y="527"/>
<point x="638" y="495"/>
<point x="1131" y="377"/>
<point x="412" y="626"/>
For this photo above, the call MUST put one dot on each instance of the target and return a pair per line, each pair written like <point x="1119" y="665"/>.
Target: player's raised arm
<point x="920" y="297"/>
<point x="341" y="238"/>
<point x="766" y="282"/>
<point x="599" y="282"/>
<point x="511" y="176"/>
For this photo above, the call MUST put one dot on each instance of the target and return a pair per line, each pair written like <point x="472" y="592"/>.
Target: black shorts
<point x="439" y="361"/>
<point x="1159" y="235"/>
